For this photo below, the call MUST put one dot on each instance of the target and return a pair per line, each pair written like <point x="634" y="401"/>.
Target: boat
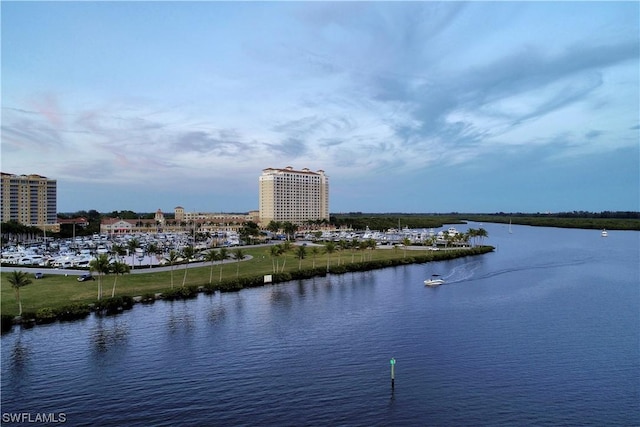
<point x="434" y="281"/>
<point x="604" y="233"/>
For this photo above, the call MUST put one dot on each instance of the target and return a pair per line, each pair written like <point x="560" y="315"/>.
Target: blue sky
<point x="408" y="107"/>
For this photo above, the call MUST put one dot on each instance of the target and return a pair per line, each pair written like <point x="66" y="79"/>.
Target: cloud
<point x="29" y="135"/>
<point x="479" y="104"/>
<point x="290" y="147"/>
<point x="353" y="88"/>
<point x="221" y="143"/>
<point x="593" y="134"/>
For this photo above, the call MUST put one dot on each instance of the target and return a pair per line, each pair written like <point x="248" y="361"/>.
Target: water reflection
<point x="15" y="370"/>
<point x="20" y="355"/>
<point x="329" y="282"/>
<point x="279" y="296"/>
<point x="302" y="287"/>
<point x="179" y="319"/>
<point x="217" y="312"/>
<point x="315" y="282"/>
<point x="109" y="333"/>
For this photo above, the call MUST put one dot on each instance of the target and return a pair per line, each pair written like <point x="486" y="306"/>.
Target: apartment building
<point x="294" y="196"/>
<point x="30" y="200"/>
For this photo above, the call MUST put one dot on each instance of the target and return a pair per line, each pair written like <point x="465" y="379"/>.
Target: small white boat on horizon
<point x="604" y="233"/>
<point x="434" y="281"/>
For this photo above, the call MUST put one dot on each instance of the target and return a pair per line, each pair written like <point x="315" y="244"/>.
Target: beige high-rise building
<point x="29" y="200"/>
<point x="296" y="196"/>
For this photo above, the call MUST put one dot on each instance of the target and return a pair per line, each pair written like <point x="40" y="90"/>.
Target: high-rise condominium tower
<point x="293" y="196"/>
<point x="29" y="200"/>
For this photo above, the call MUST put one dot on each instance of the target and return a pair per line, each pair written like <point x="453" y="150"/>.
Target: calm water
<point x="544" y="331"/>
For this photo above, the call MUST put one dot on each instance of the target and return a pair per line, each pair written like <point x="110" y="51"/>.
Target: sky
<point x="407" y="106"/>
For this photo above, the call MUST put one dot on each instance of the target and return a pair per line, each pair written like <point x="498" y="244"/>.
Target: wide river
<point x="543" y="331"/>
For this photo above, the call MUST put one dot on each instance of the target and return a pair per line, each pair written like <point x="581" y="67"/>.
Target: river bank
<point x="582" y="220"/>
<point x="543" y="220"/>
<point x="63" y="298"/>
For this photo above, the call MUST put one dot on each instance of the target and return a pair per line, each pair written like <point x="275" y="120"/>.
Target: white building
<point x="296" y="196"/>
<point x="30" y="200"/>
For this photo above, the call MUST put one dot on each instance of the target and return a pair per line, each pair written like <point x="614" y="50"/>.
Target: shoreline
<point x="121" y="303"/>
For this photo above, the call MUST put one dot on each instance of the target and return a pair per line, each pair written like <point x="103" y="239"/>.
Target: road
<point x="137" y="270"/>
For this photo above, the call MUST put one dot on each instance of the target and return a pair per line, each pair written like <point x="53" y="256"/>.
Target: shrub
<point x="127" y="302"/>
<point x="230" y="286"/>
<point x="210" y="288"/>
<point x="114" y="305"/>
<point x="183" y="292"/>
<point x="46" y="315"/>
<point x="281" y="277"/>
<point x="73" y="312"/>
<point x="251" y="282"/>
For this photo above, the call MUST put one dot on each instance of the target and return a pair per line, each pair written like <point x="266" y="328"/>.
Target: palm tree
<point x="329" y="248"/>
<point x="173" y="257"/>
<point x="118" y="268"/>
<point x="353" y="245"/>
<point x="273" y="226"/>
<point x="118" y="250"/>
<point x="211" y="256"/>
<point x="152" y="248"/>
<point x="361" y="247"/>
<point x="405" y="242"/>
<point x="133" y="244"/>
<point x="238" y="255"/>
<point x="463" y="238"/>
<point x="284" y="248"/>
<point x="372" y="245"/>
<point x="482" y="233"/>
<point x="223" y="255"/>
<point x="101" y="265"/>
<point x="448" y="240"/>
<point x="18" y="279"/>
<point x="301" y="252"/>
<point x="275" y="252"/>
<point x="187" y="252"/>
<point x="289" y="229"/>
<point x="314" y="252"/>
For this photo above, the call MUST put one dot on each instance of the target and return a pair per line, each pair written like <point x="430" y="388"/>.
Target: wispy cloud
<point x="354" y="88"/>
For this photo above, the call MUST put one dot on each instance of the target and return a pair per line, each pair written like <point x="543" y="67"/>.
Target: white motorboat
<point x="604" y="233"/>
<point x="434" y="281"/>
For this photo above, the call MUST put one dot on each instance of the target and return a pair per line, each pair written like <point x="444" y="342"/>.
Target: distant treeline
<point x="360" y="221"/>
<point x="610" y="220"/>
<point x="575" y="214"/>
<point x="556" y="220"/>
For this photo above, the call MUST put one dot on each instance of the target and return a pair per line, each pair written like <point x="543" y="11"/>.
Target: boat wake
<point x="462" y="273"/>
<point x="471" y="271"/>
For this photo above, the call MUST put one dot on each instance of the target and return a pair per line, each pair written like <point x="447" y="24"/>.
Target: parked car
<point x="85" y="277"/>
<point x="38" y="275"/>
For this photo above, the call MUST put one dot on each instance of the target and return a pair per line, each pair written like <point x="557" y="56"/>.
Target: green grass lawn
<point x="55" y="291"/>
